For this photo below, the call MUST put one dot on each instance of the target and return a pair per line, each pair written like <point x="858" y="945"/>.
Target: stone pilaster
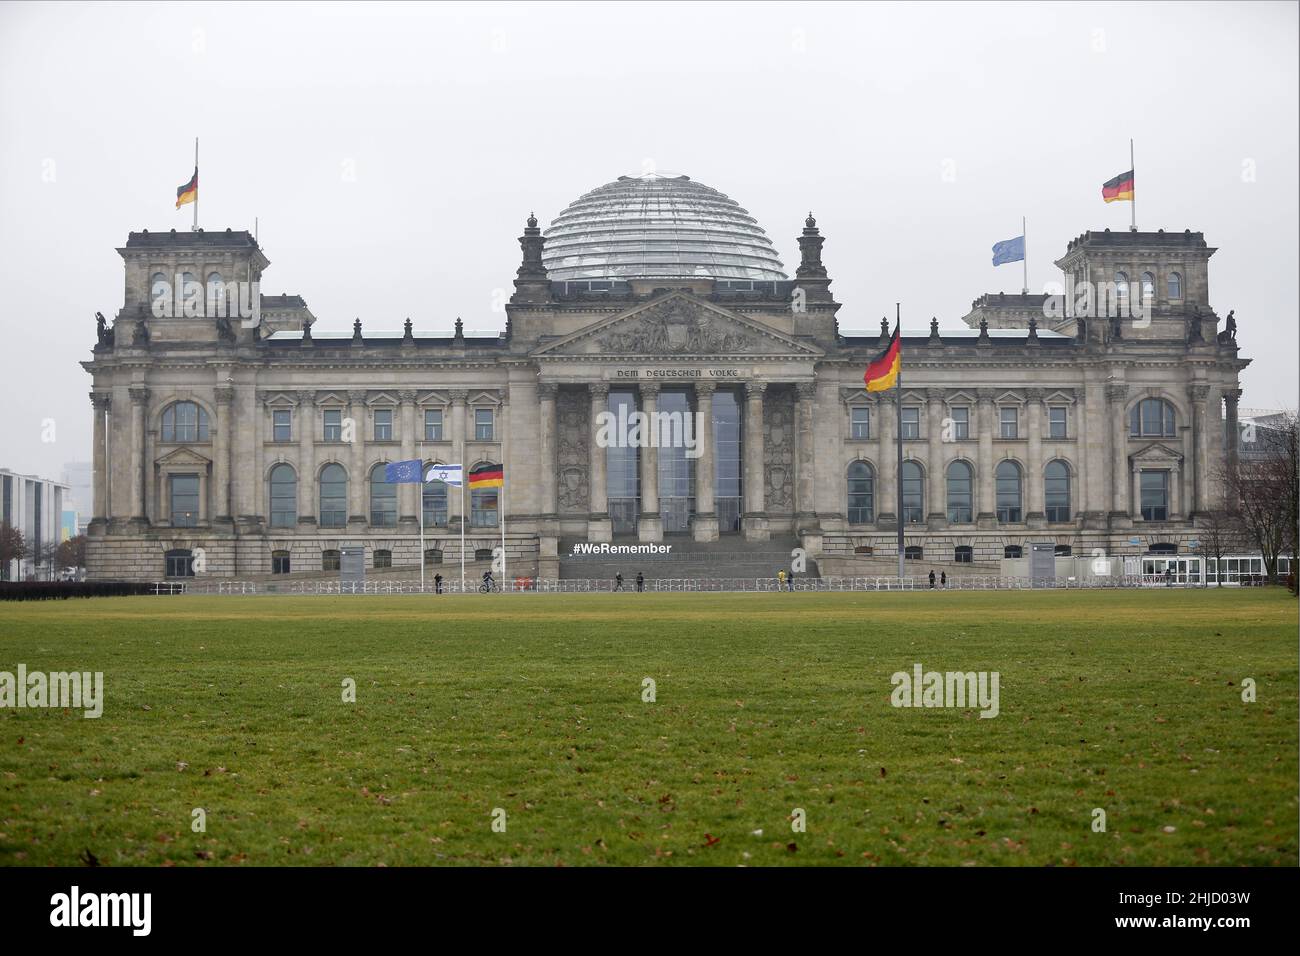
<point x="359" y="483"/>
<point x="599" y="527"/>
<point x="1231" y="432"/>
<point x="650" y="525"/>
<point x="455" y="496"/>
<point x="1197" y="395"/>
<point x="139" y="466"/>
<point x="886" y="422"/>
<point x="549" y="464"/>
<point x="223" y="450"/>
<point x="102" y="404"/>
<point x="805" y="477"/>
<point x="408" y="495"/>
<point x="987" y="513"/>
<point x="705" y="527"/>
<point x="305" y="423"/>
<point x="936" y="486"/>
<point x="1033" y="503"/>
<point x="754" y="481"/>
<point x="1117" y="456"/>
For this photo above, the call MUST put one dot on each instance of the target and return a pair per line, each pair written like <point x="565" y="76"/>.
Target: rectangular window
<point x="911" y="422"/>
<point x="860" y="421"/>
<point x="433" y="424"/>
<point x="383" y="424"/>
<point x="960" y="423"/>
<point x="280" y="562"/>
<point x="1010" y="419"/>
<point x="334" y="424"/>
<point x="184" y="500"/>
<point x="281" y="429"/>
<point x="1155" y="495"/>
<point x="483" y="424"/>
<point x="1056" y="421"/>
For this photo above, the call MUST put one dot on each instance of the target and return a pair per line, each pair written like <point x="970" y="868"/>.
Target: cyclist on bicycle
<point x="488" y="582"/>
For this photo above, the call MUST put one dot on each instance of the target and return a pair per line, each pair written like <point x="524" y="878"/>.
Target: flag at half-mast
<point x="189" y="192"/>
<point x="486" y="475"/>
<point x="1118" y="189"/>
<point x="882" y="373"/>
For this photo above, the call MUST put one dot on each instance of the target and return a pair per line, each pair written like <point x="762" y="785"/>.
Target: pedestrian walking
<point x="780" y="579"/>
<point x="932" y="579"/>
<point x="437" y="584"/>
<point x="618" y="581"/>
<point x="943" y="579"/>
<point x="640" y="581"/>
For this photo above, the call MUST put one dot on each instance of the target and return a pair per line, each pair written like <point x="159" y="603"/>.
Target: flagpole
<point x="420" y="505"/>
<point x="195" y="227"/>
<point x="462" y="528"/>
<point x="1024" y="253"/>
<point x="1133" y="186"/>
<point x="898" y="437"/>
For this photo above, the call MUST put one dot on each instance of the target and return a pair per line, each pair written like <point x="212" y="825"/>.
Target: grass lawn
<point x="1125" y="701"/>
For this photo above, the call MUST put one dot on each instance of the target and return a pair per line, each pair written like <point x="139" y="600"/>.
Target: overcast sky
<point x="392" y="153"/>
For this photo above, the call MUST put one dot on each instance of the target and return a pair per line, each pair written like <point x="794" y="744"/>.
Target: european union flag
<point x="1009" y="250"/>
<point x="403" y="472"/>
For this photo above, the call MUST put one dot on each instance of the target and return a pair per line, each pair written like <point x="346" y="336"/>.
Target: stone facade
<point x="259" y="444"/>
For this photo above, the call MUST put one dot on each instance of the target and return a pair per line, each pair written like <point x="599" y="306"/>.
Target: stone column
<point x="938" y="479"/>
<point x="102" y="402"/>
<point x="650" y="525"/>
<point x="305" y="423"/>
<point x="223" y="449"/>
<point x="754" y="480"/>
<point x="1231" y="432"/>
<point x="886" y="421"/>
<point x="408" y="495"/>
<point x="1197" y="394"/>
<point x="987" y="515"/>
<point x="1033" y="503"/>
<point x="359" y="481"/>
<point x="549" y="464"/>
<point x="705" y="526"/>
<point x="1116" y="394"/>
<point x="139" y="467"/>
<point x="805" y="444"/>
<point x="455" y="516"/>
<point x="1175" y="492"/>
<point x="599" y="527"/>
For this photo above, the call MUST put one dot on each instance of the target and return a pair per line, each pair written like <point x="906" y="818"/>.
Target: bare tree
<point x="12" y="546"/>
<point x="1264" y="489"/>
<point x="1220" y="533"/>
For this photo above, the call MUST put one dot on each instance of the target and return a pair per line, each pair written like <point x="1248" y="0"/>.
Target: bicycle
<point x="486" y="588"/>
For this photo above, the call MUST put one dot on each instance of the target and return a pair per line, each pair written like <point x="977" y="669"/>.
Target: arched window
<point x="483" y="554"/>
<point x="160" y="295"/>
<point x="333" y="486"/>
<point x="1056" y="491"/>
<point x="1063" y="551"/>
<point x="1008" y="486"/>
<point x="1164" y="547"/>
<point x="191" y="296"/>
<point x="963" y="554"/>
<point x="216" y="294"/>
<point x="383" y="558"/>
<point x="383" y="499"/>
<point x="1148" y="288"/>
<point x="960" y="482"/>
<point x="279" y="562"/>
<point x="862" y="488"/>
<point x="432" y="556"/>
<point x="913" y="552"/>
<point x="913" y="493"/>
<point x="330" y="560"/>
<point x="434" y="502"/>
<point x="284" y="497"/>
<point x="1152" y="418"/>
<point x="184" y="421"/>
<point x="1013" y="551"/>
<point x="1121" y="285"/>
<point x="1175" y="285"/>
<point x="179" y="563"/>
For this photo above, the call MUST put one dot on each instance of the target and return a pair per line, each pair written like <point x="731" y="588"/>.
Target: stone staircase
<point x="729" y="557"/>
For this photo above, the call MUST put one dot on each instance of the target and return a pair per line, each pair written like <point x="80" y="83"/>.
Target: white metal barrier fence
<point x="687" y="585"/>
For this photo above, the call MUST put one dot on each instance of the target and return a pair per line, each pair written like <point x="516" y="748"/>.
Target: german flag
<point x="882" y="373"/>
<point x="1119" y="188"/>
<point x="486" y="475"/>
<point x="189" y="192"/>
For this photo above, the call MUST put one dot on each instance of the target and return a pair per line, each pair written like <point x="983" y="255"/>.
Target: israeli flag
<point x="448" y="474"/>
<point x="1009" y="250"/>
<point x="403" y="472"/>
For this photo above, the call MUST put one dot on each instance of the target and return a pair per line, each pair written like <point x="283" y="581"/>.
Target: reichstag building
<point x="261" y="445"/>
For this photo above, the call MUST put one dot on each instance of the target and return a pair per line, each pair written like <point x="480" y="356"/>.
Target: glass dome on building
<point x="658" y="226"/>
